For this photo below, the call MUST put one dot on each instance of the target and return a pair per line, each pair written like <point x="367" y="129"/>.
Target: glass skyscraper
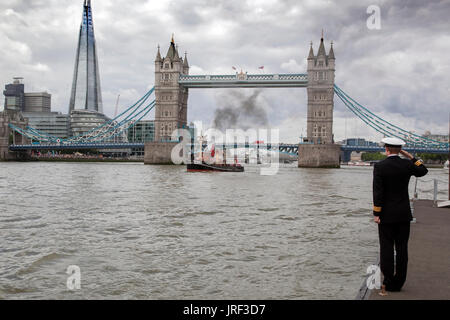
<point x="86" y="92"/>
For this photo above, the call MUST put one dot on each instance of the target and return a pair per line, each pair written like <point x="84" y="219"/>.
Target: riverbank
<point x="429" y="257"/>
<point x="434" y="165"/>
<point x="368" y="164"/>
<point x="58" y="159"/>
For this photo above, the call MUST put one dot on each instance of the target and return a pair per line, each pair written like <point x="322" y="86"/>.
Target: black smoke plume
<point x="238" y="111"/>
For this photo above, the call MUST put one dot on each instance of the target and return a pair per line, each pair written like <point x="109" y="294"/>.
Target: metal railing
<point x="431" y="187"/>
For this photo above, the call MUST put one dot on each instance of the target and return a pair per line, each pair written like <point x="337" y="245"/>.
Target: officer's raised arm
<point x="418" y="168"/>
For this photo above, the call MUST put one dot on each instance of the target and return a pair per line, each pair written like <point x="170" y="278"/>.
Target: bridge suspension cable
<point x="108" y="124"/>
<point x="119" y="128"/>
<point x="384" y="127"/>
<point x="107" y="130"/>
<point x="104" y="133"/>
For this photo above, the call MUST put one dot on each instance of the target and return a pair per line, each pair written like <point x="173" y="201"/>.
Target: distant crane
<point x="117" y="106"/>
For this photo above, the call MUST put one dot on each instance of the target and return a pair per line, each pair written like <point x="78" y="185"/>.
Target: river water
<point x="157" y="232"/>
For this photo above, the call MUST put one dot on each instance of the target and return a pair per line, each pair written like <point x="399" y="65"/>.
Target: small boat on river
<point x="212" y="162"/>
<point x="193" y="167"/>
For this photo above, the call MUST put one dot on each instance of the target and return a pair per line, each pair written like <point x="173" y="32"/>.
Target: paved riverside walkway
<point x="429" y="256"/>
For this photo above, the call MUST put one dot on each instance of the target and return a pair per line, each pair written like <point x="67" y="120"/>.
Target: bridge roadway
<point x="288" y="148"/>
<point x="243" y="80"/>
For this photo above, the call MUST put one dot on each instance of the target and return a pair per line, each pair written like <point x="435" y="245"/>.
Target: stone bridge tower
<point x="320" y="150"/>
<point x="9" y="136"/>
<point x="171" y="105"/>
<point x="171" y="98"/>
<point x="320" y="95"/>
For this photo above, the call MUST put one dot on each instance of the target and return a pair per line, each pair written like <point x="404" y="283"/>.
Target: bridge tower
<point x="320" y="150"/>
<point x="320" y="89"/>
<point x="9" y="136"/>
<point x="171" y="98"/>
<point x="171" y="104"/>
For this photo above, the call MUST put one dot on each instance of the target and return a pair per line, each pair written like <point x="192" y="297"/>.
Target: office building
<point x="437" y="137"/>
<point x="143" y="131"/>
<point x="15" y="95"/>
<point x="52" y="123"/>
<point x="38" y="102"/>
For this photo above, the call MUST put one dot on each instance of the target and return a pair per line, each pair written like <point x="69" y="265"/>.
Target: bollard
<point x="411" y="204"/>
<point x="415" y="190"/>
<point x="435" y="192"/>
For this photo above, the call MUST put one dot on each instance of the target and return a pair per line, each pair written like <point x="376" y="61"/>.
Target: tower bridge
<point x="173" y="81"/>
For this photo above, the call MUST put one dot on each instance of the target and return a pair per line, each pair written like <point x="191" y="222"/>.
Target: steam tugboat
<point x="194" y="167"/>
<point x="202" y="165"/>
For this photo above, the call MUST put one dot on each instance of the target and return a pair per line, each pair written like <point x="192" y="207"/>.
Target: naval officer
<point x="392" y="210"/>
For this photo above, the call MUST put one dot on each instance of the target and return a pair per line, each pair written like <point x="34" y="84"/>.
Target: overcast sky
<point x="401" y="71"/>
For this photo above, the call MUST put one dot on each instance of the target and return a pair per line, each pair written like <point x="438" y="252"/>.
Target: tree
<point x="372" y="156"/>
<point x="433" y="157"/>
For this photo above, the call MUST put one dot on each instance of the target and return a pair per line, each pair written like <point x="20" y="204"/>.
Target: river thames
<point x="158" y="232"/>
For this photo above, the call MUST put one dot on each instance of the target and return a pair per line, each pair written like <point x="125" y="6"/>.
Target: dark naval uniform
<point x="391" y="203"/>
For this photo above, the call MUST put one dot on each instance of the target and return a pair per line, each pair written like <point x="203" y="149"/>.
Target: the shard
<point x="86" y="91"/>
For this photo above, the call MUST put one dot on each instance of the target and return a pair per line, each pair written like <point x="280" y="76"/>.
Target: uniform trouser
<point x="394" y="235"/>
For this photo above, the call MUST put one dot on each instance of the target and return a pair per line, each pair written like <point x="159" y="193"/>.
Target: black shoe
<point x="393" y="288"/>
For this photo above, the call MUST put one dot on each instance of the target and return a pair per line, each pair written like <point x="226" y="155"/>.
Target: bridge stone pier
<point x="158" y="152"/>
<point x="318" y="149"/>
<point x="9" y="136"/>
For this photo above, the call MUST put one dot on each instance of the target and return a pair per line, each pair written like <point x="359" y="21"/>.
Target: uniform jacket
<point x="390" y="188"/>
